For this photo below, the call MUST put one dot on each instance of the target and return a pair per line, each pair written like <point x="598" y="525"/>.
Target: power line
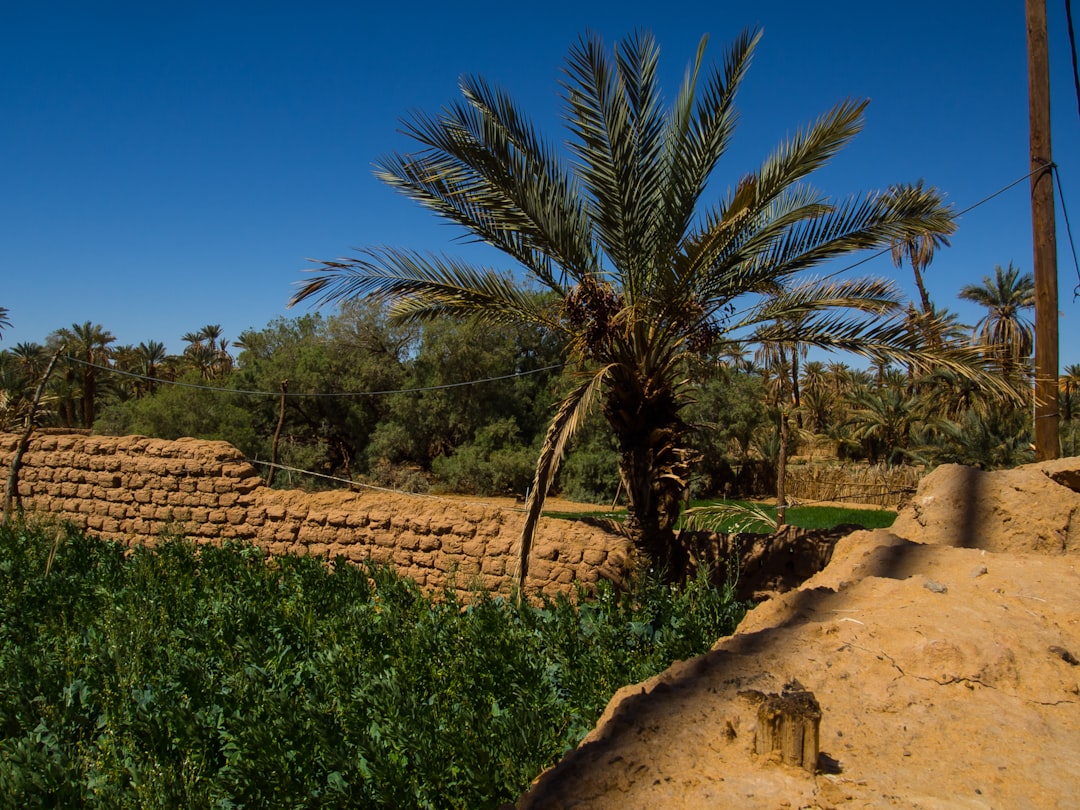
<point x="376" y="488"/>
<point x="278" y="394"/>
<point x="1072" y="50"/>
<point x="1068" y="231"/>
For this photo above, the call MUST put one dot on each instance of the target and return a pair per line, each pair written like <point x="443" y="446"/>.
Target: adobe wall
<point x="135" y="490"/>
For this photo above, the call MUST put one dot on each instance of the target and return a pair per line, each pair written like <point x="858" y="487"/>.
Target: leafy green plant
<point x="220" y="677"/>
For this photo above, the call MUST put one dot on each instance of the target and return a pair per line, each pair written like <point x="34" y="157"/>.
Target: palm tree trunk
<point x="89" y="395"/>
<point x="652" y="511"/>
<point x="653" y="466"/>
<point x="923" y="297"/>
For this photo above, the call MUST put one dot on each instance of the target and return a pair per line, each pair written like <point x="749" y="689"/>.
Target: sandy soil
<point x="943" y="654"/>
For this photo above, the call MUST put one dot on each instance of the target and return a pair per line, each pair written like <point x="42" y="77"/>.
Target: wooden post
<point x="781" y="469"/>
<point x="11" y="491"/>
<point x="789" y="725"/>
<point x="277" y="434"/>
<point x="1044" y="238"/>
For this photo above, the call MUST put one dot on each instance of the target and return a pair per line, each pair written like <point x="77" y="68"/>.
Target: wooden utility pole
<point x="1044" y="238"/>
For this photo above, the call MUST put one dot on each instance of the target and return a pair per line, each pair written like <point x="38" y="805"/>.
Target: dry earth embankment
<point x="944" y="653"/>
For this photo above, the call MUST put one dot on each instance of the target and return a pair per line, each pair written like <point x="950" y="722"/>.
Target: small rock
<point x="1064" y="655"/>
<point x="980" y="571"/>
<point x="935" y="587"/>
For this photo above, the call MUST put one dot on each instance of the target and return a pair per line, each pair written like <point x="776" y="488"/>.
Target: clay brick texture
<point x="137" y="490"/>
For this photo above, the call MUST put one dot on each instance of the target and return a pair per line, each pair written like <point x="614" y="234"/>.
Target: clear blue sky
<point x="168" y="165"/>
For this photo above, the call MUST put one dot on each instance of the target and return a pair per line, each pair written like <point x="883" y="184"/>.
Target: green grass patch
<point x="219" y="678"/>
<point x="807" y="517"/>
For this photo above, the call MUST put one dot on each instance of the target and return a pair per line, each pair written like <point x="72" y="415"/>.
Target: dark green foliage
<point x="992" y="440"/>
<point x="728" y="409"/>
<point x="205" y="412"/>
<point x="494" y="463"/>
<point x="215" y="677"/>
<point x="422" y="425"/>
<point x="355" y="351"/>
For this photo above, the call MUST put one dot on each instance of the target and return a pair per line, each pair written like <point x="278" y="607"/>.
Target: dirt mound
<point x="943" y="654"/>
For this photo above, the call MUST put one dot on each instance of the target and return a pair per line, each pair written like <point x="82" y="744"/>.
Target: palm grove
<point x="634" y="336"/>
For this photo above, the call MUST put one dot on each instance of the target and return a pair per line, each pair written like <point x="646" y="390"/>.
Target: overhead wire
<point x="960" y="213"/>
<point x="447" y="386"/>
<point x="1072" y="50"/>
<point x="1068" y="232"/>
<point x="279" y="394"/>
<point x="374" y="487"/>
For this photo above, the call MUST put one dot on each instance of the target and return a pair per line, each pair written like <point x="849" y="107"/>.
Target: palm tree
<point x="1007" y="335"/>
<point x="87" y="344"/>
<point x="208" y="351"/>
<point x="643" y="274"/>
<point x="1069" y="382"/>
<point x="31" y="358"/>
<point x="918" y="247"/>
<point x="150" y="356"/>
<point x="883" y="421"/>
<point x="5" y="322"/>
<point x="144" y="361"/>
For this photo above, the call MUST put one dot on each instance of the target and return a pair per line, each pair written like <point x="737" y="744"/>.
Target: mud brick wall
<point x="136" y="490"/>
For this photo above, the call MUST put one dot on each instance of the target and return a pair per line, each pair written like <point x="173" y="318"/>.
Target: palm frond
<point x="725" y="256"/>
<point x="425" y="287"/>
<point x="752" y="208"/>
<point x="486" y="168"/>
<point x="568" y="417"/>
<point x="700" y="129"/>
<point x="889" y="339"/>
<point x="615" y="112"/>
<point x="876" y="296"/>
<point x="730" y="518"/>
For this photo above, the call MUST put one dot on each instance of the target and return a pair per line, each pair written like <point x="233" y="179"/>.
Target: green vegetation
<point x="806" y="517"/>
<point x="218" y="678"/>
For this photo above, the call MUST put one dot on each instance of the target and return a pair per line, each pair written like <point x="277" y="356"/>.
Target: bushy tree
<point x="334" y="371"/>
<point x="190" y="408"/>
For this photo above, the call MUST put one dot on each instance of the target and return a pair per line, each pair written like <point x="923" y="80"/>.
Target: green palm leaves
<point x="1005" y="330"/>
<point x="641" y="271"/>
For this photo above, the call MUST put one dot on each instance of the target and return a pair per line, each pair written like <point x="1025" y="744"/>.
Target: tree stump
<point x="789" y="724"/>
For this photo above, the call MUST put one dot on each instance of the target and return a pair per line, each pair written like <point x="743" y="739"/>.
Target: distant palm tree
<point x="814" y="376"/>
<point x="919" y="247"/>
<point x="150" y="356"/>
<point x="30" y="357"/>
<point x="208" y="351"/>
<point x="818" y="408"/>
<point x="643" y="277"/>
<point x="1005" y="332"/>
<point x="1069" y="382"/>
<point x="5" y="322"/>
<point x="883" y="422"/>
<point x="144" y="360"/>
<point x="87" y="344"/>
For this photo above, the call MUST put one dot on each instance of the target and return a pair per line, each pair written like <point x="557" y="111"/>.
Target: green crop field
<point x="219" y="678"/>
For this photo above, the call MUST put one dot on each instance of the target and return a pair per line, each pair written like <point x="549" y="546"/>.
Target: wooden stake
<point x="11" y="491"/>
<point x="277" y="434"/>
<point x="789" y="725"/>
